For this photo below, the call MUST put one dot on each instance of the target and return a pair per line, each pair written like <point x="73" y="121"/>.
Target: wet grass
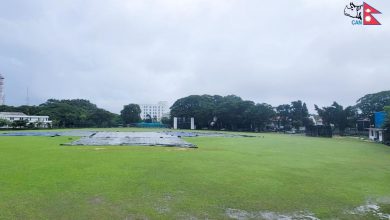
<point x="39" y="179"/>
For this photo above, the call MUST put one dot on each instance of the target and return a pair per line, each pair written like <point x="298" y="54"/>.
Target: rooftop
<point x="13" y="113"/>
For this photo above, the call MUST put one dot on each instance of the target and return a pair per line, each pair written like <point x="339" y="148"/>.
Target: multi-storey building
<point x="154" y="111"/>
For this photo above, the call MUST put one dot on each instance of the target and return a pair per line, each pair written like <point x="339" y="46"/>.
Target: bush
<point x="4" y="122"/>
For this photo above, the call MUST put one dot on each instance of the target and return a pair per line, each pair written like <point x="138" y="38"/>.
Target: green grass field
<point x="39" y="179"/>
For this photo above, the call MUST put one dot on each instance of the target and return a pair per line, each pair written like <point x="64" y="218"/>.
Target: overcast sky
<point x="142" y="51"/>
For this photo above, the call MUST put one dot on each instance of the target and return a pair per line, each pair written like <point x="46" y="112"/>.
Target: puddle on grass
<point x="136" y="217"/>
<point x="186" y="216"/>
<point x="379" y="208"/>
<point x="162" y="204"/>
<point x="268" y="215"/>
<point x="96" y="200"/>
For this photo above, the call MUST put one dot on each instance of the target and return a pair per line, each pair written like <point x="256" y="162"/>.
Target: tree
<point x="148" y="119"/>
<point x="29" y="110"/>
<point x="284" y="113"/>
<point x="259" y="115"/>
<point x="30" y="125"/>
<point x="77" y="113"/>
<point x="166" y="121"/>
<point x="371" y="103"/>
<point x="387" y="122"/>
<point x="4" y="122"/>
<point x="387" y="126"/>
<point x="102" y="118"/>
<point x="131" y="113"/>
<point x="19" y="124"/>
<point x="202" y="108"/>
<point x="337" y="115"/>
<point x="229" y="112"/>
<point x="299" y="114"/>
<point x="295" y="115"/>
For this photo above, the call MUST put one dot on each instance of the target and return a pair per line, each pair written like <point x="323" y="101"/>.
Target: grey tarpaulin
<point x="132" y="138"/>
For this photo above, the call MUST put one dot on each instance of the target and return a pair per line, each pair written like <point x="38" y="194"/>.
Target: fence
<point x="319" y="131"/>
<point x="148" y="125"/>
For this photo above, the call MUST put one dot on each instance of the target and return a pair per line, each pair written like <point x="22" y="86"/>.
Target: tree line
<point x="212" y="112"/>
<point x="233" y="113"/>
<point x="76" y="113"/>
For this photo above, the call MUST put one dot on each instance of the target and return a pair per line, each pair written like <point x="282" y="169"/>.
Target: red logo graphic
<point x="368" y="19"/>
<point x="363" y="14"/>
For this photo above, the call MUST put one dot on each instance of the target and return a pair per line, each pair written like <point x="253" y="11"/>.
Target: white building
<point x="376" y="134"/>
<point x="317" y="120"/>
<point x="38" y="121"/>
<point x="154" y="111"/>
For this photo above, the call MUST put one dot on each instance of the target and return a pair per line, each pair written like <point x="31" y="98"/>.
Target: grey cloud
<point x="120" y="52"/>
